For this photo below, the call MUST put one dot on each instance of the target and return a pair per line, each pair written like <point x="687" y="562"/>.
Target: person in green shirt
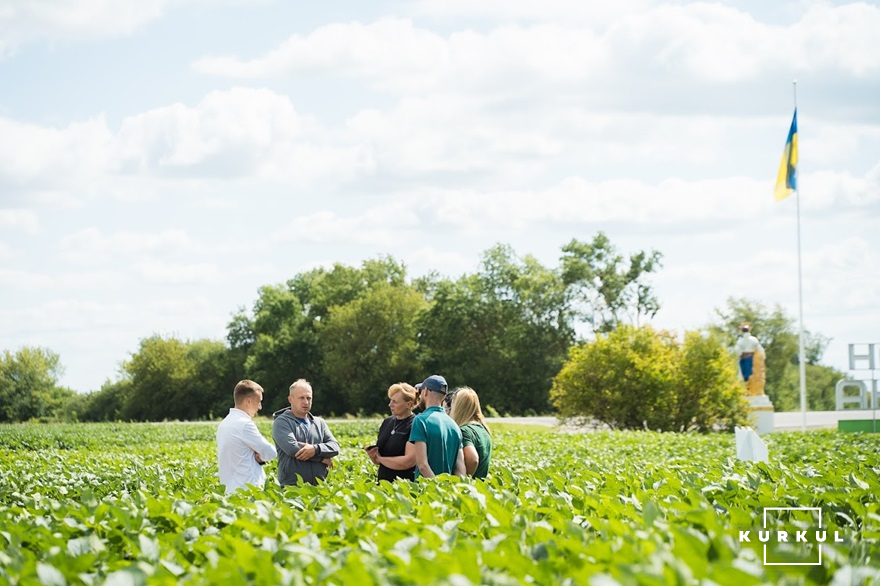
<point x="435" y="436"/>
<point x="475" y="435"/>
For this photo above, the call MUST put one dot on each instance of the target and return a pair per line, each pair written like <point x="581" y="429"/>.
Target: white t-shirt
<point x="237" y="440"/>
<point x="748" y="343"/>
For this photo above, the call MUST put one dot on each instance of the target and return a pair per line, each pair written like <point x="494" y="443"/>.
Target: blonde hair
<point x="466" y="408"/>
<point x="409" y="392"/>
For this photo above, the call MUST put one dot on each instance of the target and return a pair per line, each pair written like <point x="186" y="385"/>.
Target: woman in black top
<point x="393" y="453"/>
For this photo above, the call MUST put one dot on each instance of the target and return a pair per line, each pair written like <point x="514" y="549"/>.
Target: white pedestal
<point x="762" y="413"/>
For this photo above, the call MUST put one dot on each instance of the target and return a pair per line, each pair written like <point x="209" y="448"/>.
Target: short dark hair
<point x="447" y="400"/>
<point x="244" y="389"/>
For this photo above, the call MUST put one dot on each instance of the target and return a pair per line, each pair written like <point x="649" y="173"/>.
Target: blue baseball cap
<point x="435" y="383"/>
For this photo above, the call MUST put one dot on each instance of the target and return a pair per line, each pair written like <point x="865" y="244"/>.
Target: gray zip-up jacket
<point x="289" y="435"/>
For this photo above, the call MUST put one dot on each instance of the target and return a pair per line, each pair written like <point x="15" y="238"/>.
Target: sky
<point x="161" y="160"/>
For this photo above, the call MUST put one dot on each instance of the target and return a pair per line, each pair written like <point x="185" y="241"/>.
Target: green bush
<point x="636" y="378"/>
<point x="710" y="393"/>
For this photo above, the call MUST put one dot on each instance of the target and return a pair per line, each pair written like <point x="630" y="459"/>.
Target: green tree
<point x="778" y="335"/>
<point x="240" y="337"/>
<point x="504" y="331"/>
<point x="209" y="392"/>
<point x="370" y="343"/>
<point x="283" y="346"/>
<point x="607" y="289"/>
<point x="28" y="384"/>
<point x="639" y="378"/>
<point x="106" y="404"/>
<point x="160" y="373"/>
<point x="281" y="340"/>
<point x="168" y="378"/>
<point x="820" y="381"/>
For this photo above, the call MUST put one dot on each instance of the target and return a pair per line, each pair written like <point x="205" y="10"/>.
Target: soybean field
<point x="129" y="504"/>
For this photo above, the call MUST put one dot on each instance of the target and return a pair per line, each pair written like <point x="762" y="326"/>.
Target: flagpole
<point x="801" y="361"/>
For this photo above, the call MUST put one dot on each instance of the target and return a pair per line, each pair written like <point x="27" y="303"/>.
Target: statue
<point x="751" y="361"/>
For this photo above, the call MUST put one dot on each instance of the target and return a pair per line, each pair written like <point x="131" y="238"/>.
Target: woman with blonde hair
<point x="393" y="452"/>
<point x="475" y="435"/>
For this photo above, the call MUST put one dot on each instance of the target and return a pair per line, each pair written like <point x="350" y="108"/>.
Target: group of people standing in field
<point x="449" y="436"/>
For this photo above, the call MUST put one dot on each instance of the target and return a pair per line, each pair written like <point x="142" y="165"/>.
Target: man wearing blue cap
<point x="436" y="437"/>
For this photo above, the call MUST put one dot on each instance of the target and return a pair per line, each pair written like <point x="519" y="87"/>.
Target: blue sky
<point x="160" y="160"/>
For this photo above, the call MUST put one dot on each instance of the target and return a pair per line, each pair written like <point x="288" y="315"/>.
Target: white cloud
<point x="837" y="272"/>
<point x="227" y="133"/>
<point x="849" y="29"/>
<point x="192" y="316"/>
<point x="25" y="20"/>
<point x="22" y="21"/>
<point x="379" y="226"/>
<point x="23" y="220"/>
<point x="178" y="273"/>
<point x="66" y="281"/>
<point x="241" y="132"/>
<point x="92" y="245"/>
<point x="388" y="49"/>
<point x="576" y="201"/>
<point x="526" y="10"/>
<point x="6" y="252"/>
<point x="444" y="140"/>
<point x="825" y="189"/>
<point x="45" y="158"/>
<point x="425" y="259"/>
<point x="20" y="280"/>
<point x="395" y="54"/>
<point x="697" y="41"/>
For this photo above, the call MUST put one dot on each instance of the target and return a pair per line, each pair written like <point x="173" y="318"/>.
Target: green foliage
<point x="636" y="378"/>
<point x="369" y="343"/>
<point x="284" y="344"/>
<point x="140" y="503"/>
<point x="166" y="378"/>
<point x="608" y="290"/>
<point x="107" y="404"/>
<point x="503" y="331"/>
<point x="625" y="379"/>
<point x="281" y="339"/>
<point x="778" y="335"/>
<point x="28" y="384"/>
<point x="209" y="392"/>
<point x="159" y="373"/>
<point x="710" y="394"/>
<point x="821" y="382"/>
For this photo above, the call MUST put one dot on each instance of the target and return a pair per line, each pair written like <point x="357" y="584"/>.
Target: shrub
<point x="710" y="393"/>
<point x="638" y="378"/>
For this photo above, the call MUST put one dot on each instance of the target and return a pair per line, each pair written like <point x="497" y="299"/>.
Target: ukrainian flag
<point x="786" y="181"/>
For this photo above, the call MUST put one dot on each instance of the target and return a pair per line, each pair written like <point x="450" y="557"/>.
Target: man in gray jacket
<point x="305" y="445"/>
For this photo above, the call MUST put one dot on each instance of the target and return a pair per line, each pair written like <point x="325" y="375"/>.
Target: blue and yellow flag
<point x="786" y="181"/>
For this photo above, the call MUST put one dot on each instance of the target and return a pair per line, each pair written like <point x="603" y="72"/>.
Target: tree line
<point x="506" y="330"/>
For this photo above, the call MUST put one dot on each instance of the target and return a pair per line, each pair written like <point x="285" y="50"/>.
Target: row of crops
<point x="140" y="504"/>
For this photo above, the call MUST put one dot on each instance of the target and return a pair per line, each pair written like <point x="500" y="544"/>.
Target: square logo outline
<point x="766" y="563"/>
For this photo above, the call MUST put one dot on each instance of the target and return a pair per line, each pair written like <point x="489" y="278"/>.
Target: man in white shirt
<point x="241" y="449"/>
